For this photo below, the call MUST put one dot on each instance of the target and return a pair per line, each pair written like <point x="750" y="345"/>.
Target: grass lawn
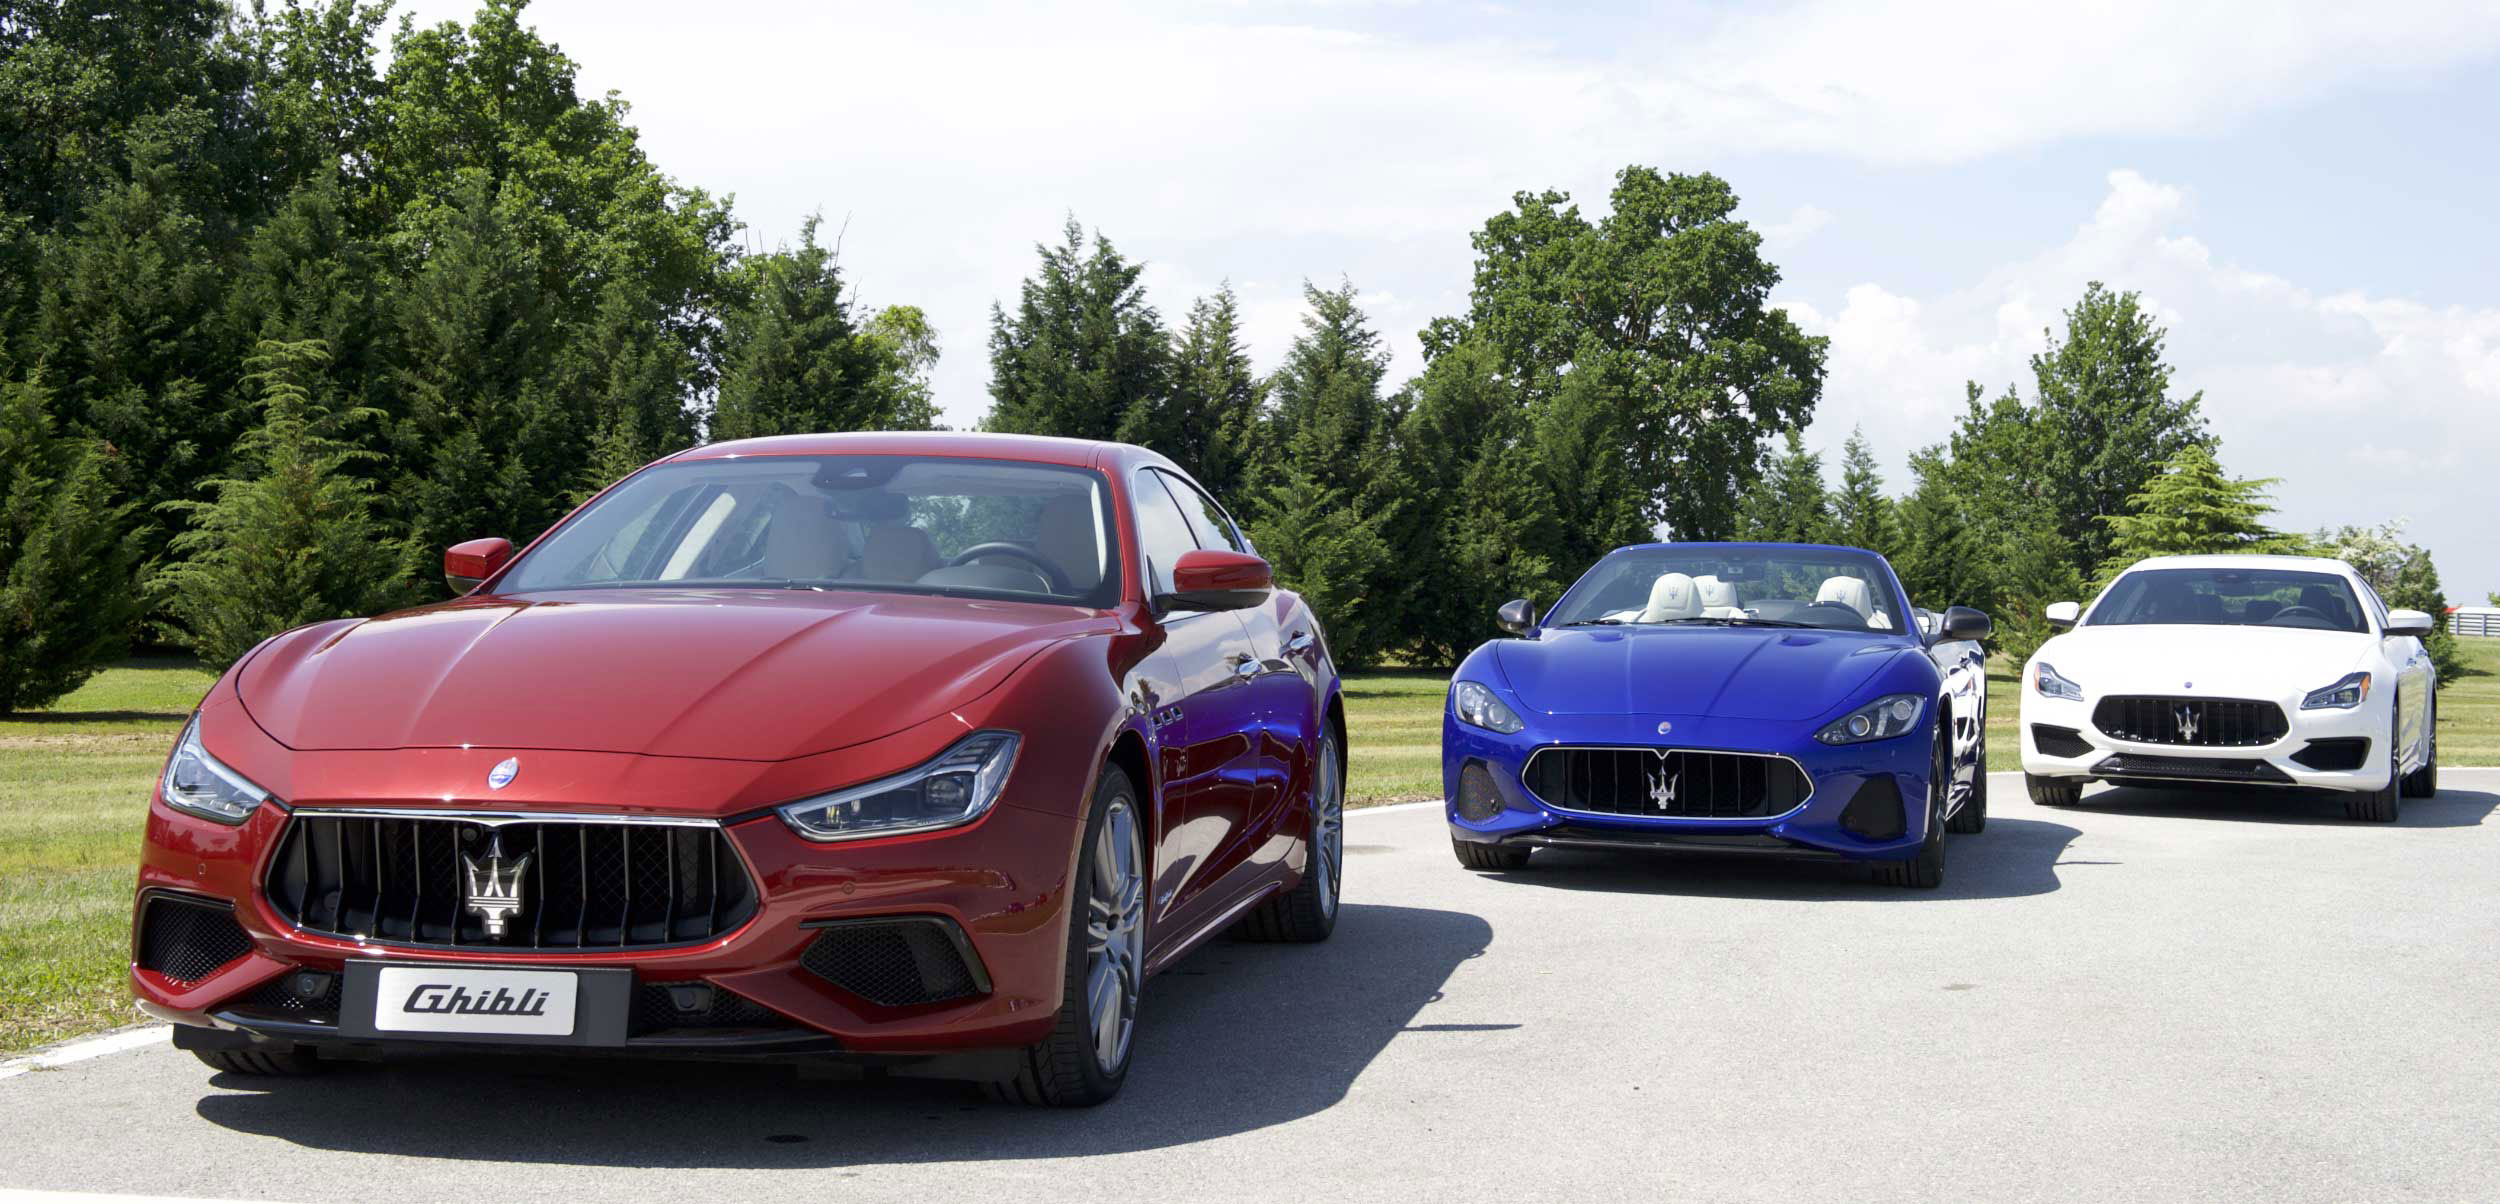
<point x="73" y="791"/>
<point x="73" y="780"/>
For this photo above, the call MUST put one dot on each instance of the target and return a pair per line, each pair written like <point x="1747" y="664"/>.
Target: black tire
<point x="273" y="1063"/>
<point x="1308" y="913"/>
<point x="2053" y="792"/>
<point x="1492" y="857"/>
<point x="1973" y="817"/>
<point x="1061" y="1070"/>
<point x="1924" y="870"/>
<point x="2383" y="805"/>
<point x="2424" y="782"/>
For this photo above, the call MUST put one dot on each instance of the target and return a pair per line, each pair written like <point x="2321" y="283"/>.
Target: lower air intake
<point x="1478" y="798"/>
<point x="187" y="939"/>
<point x="899" y="962"/>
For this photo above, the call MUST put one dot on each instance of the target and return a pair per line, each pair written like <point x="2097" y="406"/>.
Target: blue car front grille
<point x="1666" y="783"/>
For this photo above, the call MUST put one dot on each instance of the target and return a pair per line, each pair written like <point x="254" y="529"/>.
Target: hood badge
<point x="2187" y="723"/>
<point x="1664" y="727"/>
<point x="494" y="893"/>
<point x="503" y="773"/>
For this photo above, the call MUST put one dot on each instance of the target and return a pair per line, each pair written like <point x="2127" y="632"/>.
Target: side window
<point x="1207" y="521"/>
<point x="1162" y="530"/>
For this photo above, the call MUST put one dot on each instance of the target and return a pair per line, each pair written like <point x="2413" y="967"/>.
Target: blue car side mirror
<point x="1517" y="616"/>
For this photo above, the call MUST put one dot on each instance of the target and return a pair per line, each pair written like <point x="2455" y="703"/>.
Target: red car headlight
<point x="955" y="788"/>
<point x="199" y="784"/>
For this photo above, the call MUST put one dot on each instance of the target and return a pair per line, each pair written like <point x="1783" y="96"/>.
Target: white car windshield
<point x="907" y="524"/>
<point x="2220" y="597"/>
<point x="1710" y="586"/>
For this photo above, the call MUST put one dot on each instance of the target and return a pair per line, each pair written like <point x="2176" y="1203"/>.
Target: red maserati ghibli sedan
<point x="919" y="752"/>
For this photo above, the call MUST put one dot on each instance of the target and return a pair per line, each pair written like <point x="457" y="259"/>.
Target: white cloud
<point x="1801" y="224"/>
<point x="2367" y="407"/>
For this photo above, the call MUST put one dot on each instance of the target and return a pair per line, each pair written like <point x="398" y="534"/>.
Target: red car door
<point x="1209" y="741"/>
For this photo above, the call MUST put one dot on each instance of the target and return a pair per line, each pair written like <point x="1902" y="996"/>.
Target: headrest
<point x="1851" y="592"/>
<point x="1068" y="536"/>
<point x="1672" y="596"/>
<point x="803" y="542"/>
<point x="1716" y="593"/>
<point x="897" y="554"/>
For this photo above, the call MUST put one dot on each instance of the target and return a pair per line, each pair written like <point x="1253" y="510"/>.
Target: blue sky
<point x="2304" y="191"/>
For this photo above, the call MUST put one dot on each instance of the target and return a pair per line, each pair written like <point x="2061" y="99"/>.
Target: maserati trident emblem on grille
<point x="494" y="893"/>
<point x="1662" y="787"/>
<point x="503" y="773"/>
<point x="2187" y="723"/>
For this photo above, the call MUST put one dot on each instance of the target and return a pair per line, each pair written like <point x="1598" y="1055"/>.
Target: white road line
<point x="92" y="1047"/>
<point x="16" y="1195"/>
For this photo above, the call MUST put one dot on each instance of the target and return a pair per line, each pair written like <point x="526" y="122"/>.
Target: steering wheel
<point x="1041" y="564"/>
<point x="2311" y="613"/>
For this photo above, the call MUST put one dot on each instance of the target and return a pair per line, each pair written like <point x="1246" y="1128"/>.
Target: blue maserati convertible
<point x="1761" y="698"/>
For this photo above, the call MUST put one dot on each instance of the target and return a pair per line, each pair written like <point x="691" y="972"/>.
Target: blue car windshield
<point x="2220" y="597"/>
<point x="1709" y="586"/>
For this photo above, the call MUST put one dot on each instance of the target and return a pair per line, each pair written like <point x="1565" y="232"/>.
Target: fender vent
<point x="187" y="939"/>
<point x="898" y="962"/>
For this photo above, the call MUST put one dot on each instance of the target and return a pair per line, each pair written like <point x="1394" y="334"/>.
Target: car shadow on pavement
<point x="2256" y="804"/>
<point x="2012" y="858"/>
<point x="1235" y="1038"/>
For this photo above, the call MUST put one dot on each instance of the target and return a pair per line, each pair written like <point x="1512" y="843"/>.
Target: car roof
<point x="2245" y="560"/>
<point x="1037" y="449"/>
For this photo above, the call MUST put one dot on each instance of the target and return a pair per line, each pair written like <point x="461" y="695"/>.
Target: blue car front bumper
<point x="1888" y="778"/>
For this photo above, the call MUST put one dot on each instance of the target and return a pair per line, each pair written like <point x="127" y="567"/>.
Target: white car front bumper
<point x="2061" y="740"/>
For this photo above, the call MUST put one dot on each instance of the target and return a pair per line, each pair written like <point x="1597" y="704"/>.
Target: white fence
<point x="2475" y="620"/>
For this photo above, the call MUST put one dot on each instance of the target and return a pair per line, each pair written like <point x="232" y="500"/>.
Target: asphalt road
<point x="2153" y="997"/>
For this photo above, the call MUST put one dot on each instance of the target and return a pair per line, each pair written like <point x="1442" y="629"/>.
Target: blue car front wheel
<point x="1924" y="869"/>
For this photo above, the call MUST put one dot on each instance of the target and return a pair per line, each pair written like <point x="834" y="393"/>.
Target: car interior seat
<point x="1851" y="592"/>
<point x="805" y="542"/>
<point x="2258" y="610"/>
<point x="1672" y="596"/>
<point x="1718" y="598"/>
<point x="1069" y="538"/>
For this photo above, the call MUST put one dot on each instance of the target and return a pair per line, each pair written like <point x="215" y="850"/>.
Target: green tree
<point x="295" y="541"/>
<point x="1789" y="505"/>
<point x="2107" y="418"/>
<point x="1589" y="486"/>
<point x="2404" y="577"/>
<point x="1668" y="295"/>
<point x="1994" y="474"/>
<point x="1936" y="555"/>
<point x="1478" y="525"/>
<point x="1083" y="355"/>
<point x="1324" y="518"/>
<point x="905" y="350"/>
<point x="1862" y="516"/>
<point x="796" y="361"/>
<point x="67" y="552"/>
<point x="2192" y="508"/>
<point x="1215" y="400"/>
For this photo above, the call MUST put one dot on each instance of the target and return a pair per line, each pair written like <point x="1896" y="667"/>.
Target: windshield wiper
<point x="1750" y="621"/>
<point x="1594" y="623"/>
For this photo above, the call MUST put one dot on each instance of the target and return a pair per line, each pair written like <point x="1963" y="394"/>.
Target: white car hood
<point x="2214" y="661"/>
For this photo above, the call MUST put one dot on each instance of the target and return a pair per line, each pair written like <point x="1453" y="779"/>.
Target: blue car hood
<point x="1737" y="672"/>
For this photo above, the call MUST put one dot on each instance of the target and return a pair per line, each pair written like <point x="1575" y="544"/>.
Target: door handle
<point x="1299" y="643"/>
<point x="1244" y="664"/>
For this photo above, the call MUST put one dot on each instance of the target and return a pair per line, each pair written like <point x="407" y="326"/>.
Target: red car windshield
<point x="908" y="524"/>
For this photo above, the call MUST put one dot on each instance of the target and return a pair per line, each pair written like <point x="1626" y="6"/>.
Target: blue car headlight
<point x="199" y="784"/>
<point x="956" y="788"/>
<point x="2344" y="695"/>
<point x="1477" y="707"/>
<point x="2051" y="685"/>
<point x="1886" y="717"/>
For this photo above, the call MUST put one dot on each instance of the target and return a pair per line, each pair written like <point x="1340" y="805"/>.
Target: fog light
<point x="1875" y="814"/>
<point x="1478" y="798"/>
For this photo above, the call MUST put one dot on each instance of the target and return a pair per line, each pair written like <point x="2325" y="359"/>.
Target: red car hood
<point x="736" y="674"/>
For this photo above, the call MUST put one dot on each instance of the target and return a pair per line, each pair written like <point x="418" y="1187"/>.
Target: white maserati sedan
<point x="2279" y="671"/>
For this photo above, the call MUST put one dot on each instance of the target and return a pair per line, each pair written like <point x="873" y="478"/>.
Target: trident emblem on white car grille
<point x="1662" y="787"/>
<point x="2187" y="723"/>
<point x="494" y="893"/>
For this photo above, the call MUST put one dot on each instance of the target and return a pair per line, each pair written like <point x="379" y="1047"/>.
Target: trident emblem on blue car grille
<point x="494" y="893"/>
<point x="2187" y="723"/>
<point x="1662" y="786"/>
<point x="503" y="772"/>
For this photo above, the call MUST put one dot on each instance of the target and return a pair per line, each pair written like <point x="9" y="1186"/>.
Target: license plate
<point x="436" y="999"/>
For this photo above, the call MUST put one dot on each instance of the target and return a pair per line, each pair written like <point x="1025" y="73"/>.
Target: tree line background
<point x="278" y="323"/>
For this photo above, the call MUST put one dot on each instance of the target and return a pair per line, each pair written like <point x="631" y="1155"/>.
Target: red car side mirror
<point x="1207" y="579"/>
<point x="466" y="565"/>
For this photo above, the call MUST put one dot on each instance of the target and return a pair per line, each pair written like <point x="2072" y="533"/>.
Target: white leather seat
<point x="1854" y="594"/>
<point x="1672" y="596"/>
<point x="1718" y="598"/>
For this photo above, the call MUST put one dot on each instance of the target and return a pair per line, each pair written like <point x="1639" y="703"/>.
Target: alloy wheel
<point x="1328" y="827"/>
<point x="1115" y="933"/>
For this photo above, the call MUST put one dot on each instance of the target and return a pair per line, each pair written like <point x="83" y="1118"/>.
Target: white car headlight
<point x="198" y="784"/>
<point x="2052" y="685"/>
<point x="2344" y="695"/>
<point x="956" y="788"/>
<point x="1476" y="706"/>
<point x="1882" y="719"/>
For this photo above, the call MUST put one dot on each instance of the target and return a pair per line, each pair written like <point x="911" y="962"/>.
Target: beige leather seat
<point x="1069" y="538"/>
<point x="804" y="542"/>
<point x="1718" y="598"/>
<point x="1672" y="596"/>
<point x="1855" y="594"/>
<point x="897" y="552"/>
